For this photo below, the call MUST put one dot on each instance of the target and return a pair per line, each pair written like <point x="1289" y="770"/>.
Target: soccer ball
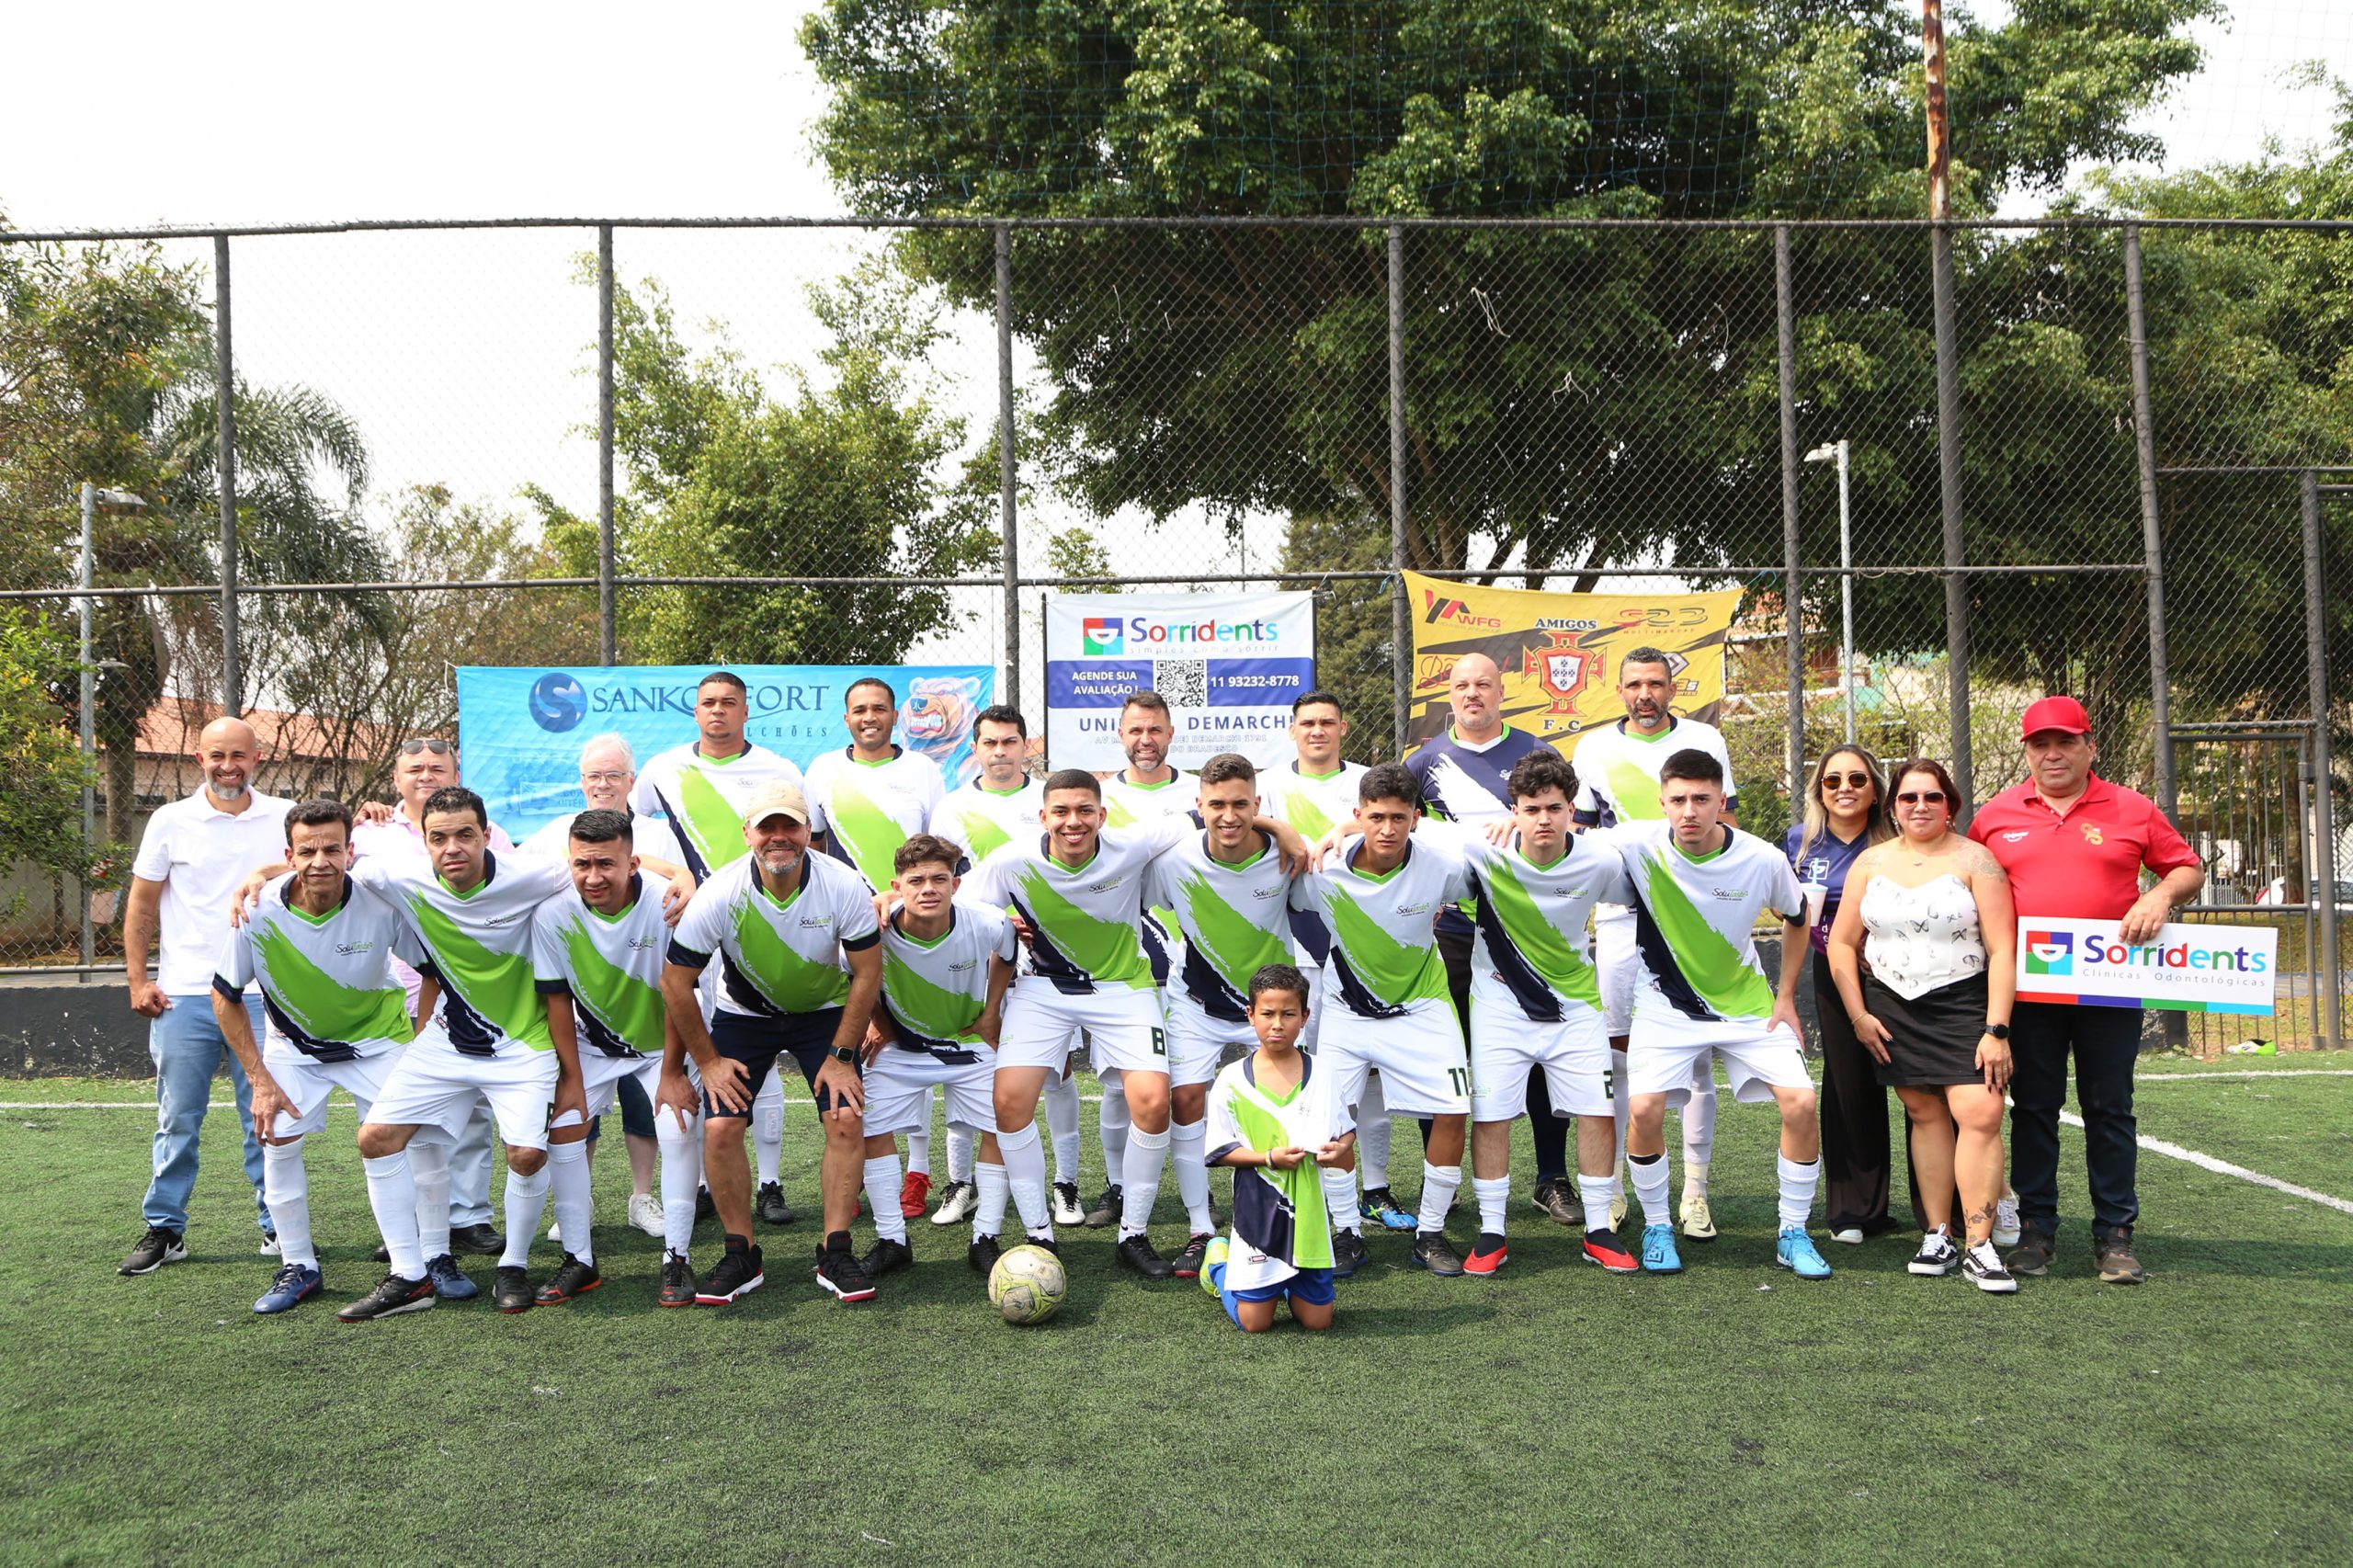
<point x="1028" y="1284"/>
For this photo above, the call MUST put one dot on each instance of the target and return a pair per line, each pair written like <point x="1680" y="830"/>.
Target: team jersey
<point x="477" y="944"/>
<point x="777" y="956"/>
<point x="935" y="992"/>
<point x="1083" y="922"/>
<point x="1234" y="918"/>
<point x="1528" y="953"/>
<point x="1693" y="917"/>
<point x="1466" y="783"/>
<point x="1281" y="1226"/>
<point x="704" y="797"/>
<point x="326" y="981"/>
<point x="871" y="808"/>
<point x="610" y="965"/>
<point x="1383" y="961"/>
<point x="1313" y="805"/>
<point x="648" y="836"/>
<point x="1126" y="804"/>
<point x="981" y="820"/>
<point x="1617" y="771"/>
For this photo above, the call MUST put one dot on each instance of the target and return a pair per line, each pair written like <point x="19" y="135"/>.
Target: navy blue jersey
<point x="1826" y="864"/>
<point x="1466" y="784"/>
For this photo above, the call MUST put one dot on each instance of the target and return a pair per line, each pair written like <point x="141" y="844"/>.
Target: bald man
<point x="191" y="857"/>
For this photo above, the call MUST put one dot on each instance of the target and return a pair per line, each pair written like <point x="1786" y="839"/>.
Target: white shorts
<point x="1668" y="1052"/>
<point x="1196" y="1042"/>
<point x="601" y="1076"/>
<point x="1617" y="966"/>
<point x="1417" y="1053"/>
<point x="899" y="1083"/>
<point x="306" y="1081"/>
<point x="1314" y="1030"/>
<point x="436" y="1085"/>
<point x="1123" y="1028"/>
<point x="1506" y="1045"/>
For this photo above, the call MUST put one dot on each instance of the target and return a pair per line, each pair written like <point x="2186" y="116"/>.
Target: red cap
<point x="2055" y="714"/>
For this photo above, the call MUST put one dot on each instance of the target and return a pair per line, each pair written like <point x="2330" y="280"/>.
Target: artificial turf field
<point x="1553" y="1414"/>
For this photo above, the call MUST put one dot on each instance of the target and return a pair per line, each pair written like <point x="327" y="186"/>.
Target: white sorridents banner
<point x="2185" y="969"/>
<point x="1229" y="665"/>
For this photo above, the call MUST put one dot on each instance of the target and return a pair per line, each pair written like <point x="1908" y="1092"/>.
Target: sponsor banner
<point x="1558" y="653"/>
<point x="2186" y="969"/>
<point x="1229" y="664"/>
<point x="520" y="731"/>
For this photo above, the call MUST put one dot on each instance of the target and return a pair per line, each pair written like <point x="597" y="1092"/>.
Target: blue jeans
<point x="187" y="1048"/>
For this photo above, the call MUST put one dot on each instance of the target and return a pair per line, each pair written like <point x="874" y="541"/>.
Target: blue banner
<point x="520" y="731"/>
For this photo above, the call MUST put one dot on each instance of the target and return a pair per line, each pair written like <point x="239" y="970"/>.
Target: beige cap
<point x="775" y="800"/>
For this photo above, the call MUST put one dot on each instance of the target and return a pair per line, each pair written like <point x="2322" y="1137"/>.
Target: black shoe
<point x="738" y="1274"/>
<point x="1135" y="1252"/>
<point x="393" y="1295"/>
<point x="479" y="1240"/>
<point x="1044" y="1243"/>
<point x="888" y="1258"/>
<point x="769" y="1204"/>
<point x="2034" y="1251"/>
<point x="1433" y="1251"/>
<point x="704" y="1207"/>
<point x="841" y="1272"/>
<point x="1106" y="1209"/>
<point x="677" y="1282"/>
<point x="510" y="1291"/>
<point x="571" y="1278"/>
<point x="1557" y="1196"/>
<point x="2112" y="1255"/>
<point x="160" y="1246"/>
<point x="382" y="1252"/>
<point x="1187" y="1264"/>
<point x="982" y="1254"/>
<point x="1347" y="1253"/>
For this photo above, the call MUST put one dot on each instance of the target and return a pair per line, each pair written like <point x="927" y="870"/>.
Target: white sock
<point x="575" y="1205"/>
<point x="1147" y="1156"/>
<point x="1188" y="1141"/>
<point x="1494" y="1197"/>
<point x="392" y="1193"/>
<point x="988" y="1214"/>
<point x="961" y="1145"/>
<point x="882" y="1196"/>
<point x="428" y="1163"/>
<point x="286" y="1187"/>
<point x="1695" y="1175"/>
<point x="1621" y="1108"/>
<point x="1372" y="1133"/>
<point x="1061" y="1100"/>
<point x="1340" y="1198"/>
<point x="1437" y="1195"/>
<point x="681" y="1174"/>
<point x="1111" y="1122"/>
<point x="1650" y="1189"/>
<point x="919" y="1148"/>
<point x="1699" y="1122"/>
<point x="1798" y="1182"/>
<point x="1025" y="1176"/>
<point x="1598" y="1194"/>
<point x="527" y="1200"/>
<point x="767" y="1128"/>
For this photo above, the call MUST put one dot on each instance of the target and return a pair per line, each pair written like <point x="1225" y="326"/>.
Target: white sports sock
<point x="1061" y="1100"/>
<point x="575" y="1205"/>
<point x="1188" y="1141"/>
<point x="1650" y="1189"/>
<point x="961" y="1145"/>
<point x="527" y="1200"/>
<point x="1494" y="1197"/>
<point x="988" y="1213"/>
<point x="1699" y="1122"/>
<point x="681" y="1174"/>
<point x="1798" y="1182"/>
<point x="767" y="1128"/>
<point x="286" y="1187"/>
<point x="919" y="1147"/>
<point x="1111" y="1122"/>
<point x="1695" y="1175"/>
<point x="1621" y="1107"/>
<point x="1438" y="1188"/>
<point x="1147" y="1157"/>
<point x="1025" y="1175"/>
<point x="429" y="1165"/>
<point x="392" y="1193"/>
<point x="1340" y="1198"/>
<point x="1372" y="1133"/>
<point x="882" y="1196"/>
<point x="1598" y="1194"/>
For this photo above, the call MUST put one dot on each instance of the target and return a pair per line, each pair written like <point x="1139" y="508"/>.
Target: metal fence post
<point x="2324" y="802"/>
<point x="224" y="397"/>
<point x="1793" y="554"/>
<point x="1007" y="467"/>
<point x="89" y="735"/>
<point x="2152" y="543"/>
<point x="608" y="608"/>
<point x="1948" y="492"/>
<point x="1401" y="633"/>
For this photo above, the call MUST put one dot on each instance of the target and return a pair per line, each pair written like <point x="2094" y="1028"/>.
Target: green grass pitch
<point x="1735" y="1415"/>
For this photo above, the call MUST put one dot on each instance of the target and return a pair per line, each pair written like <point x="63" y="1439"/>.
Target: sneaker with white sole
<point x="1065" y="1206"/>
<point x="1699" y="1224"/>
<point x="1794" y="1250"/>
<point x="645" y="1213"/>
<point x="269" y="1247"/>
<point x="957" y="1201"/>
<point x="1982" y="1267"/>
<point x="1850" y="1236"/>
<point x="1938" y="1256"/>
<point x="160" y="1246"/>
<point x="2006" y="1223"/>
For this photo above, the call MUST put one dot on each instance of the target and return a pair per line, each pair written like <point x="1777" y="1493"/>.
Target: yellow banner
<point x="1558" y="653"/>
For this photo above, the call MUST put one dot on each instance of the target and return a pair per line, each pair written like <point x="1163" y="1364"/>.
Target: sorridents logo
<point x="1102" y="634"/>
<point x="2050" y="952"/>
<point x="557" y="703"/>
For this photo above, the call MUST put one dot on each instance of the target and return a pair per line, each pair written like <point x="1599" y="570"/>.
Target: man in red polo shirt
<point x="2074" y="846"/>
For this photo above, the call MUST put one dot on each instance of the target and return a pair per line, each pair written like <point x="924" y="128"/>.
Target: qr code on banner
<point x="1183" y="683"/>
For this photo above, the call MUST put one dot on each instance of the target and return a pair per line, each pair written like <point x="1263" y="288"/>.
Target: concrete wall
<point x="56" y="1030"/>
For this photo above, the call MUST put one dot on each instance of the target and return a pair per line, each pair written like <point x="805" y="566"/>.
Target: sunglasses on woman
<point x="1851" y="780"/>
<point x="1921" y="797"/>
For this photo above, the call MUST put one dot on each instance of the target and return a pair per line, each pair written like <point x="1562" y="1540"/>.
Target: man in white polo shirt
<point x="191" y="859"/>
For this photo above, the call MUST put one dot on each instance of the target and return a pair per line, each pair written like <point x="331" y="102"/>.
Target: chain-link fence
<point x="2096" y="460"/>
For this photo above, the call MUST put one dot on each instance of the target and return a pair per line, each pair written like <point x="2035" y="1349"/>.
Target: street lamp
<point x="93" y="497"/>
<point x="1836" y="451"/>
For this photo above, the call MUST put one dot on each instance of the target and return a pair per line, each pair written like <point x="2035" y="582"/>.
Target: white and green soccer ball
<point x="1028" y="1285"/>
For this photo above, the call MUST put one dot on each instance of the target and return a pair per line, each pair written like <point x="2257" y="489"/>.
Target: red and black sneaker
<point x="1602" y="1246"/>
<point x="1188" y="1262"/>
<point x="571" y="1278"/>
<point x="1488" y="1254"/>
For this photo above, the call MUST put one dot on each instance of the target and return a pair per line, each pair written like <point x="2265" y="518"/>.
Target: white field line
<point x="334" y="1107"/>
<point x="2225" y="1167"/>
<point x="2252" y="1072"/>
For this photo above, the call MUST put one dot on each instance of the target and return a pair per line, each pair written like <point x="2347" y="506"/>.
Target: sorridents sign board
<point x="1229" y="665"/>
<point x="520" y="731"/>
<point x="2186" y="969"/>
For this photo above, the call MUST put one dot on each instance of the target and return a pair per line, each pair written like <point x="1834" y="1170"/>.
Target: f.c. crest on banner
<point x="1562" y="669"/>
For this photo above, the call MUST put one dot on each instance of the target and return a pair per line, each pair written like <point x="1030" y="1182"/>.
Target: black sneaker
<point x="677" y="1282"/>
<point x="888" y="1258"/>
<point x="2034" y="1251"/>
<point x="160" y="1246"/>
<point x="1433" y="1251"/>
<point x="479" y="1240"/>
<point x="738" y="1274"/>
<point x="510" y="1291"/>
<point x="1982" y="1267"/>
<point x="2112" y="1255"/>
<point x="392" y="1296"/>
<point x="841" y="1272"/>
<point x="1135" y="1252"/>
<point x="1044" y="1243"/>
<point x="571" y="1278"/>
<point x="769" y="1204"/>
<point x="1106" y="1209"/>
<point x="982" y="1254"/>
<point x="1557" y="1196"/>
<point x="1347" y="1253"/>
<point x="382" y="1252"/>
<point x="1187" y="1264"/>
<point x="704" y="1207"/>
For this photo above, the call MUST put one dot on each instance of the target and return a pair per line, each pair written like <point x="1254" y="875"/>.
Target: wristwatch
<point x="1999" y="1031"/>
<point x="847" y="1055"/>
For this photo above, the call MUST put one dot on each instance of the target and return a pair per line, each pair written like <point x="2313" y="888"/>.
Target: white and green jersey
<point x="981" y="820"/>
<point x="477" y="943"/>
<point x="1529" y="951"/>
<point x="1281" y="1226"/>
<point x="777" y="956"/>
<point x="326" y="981"/>
<point x="1313" y="803"/>
<point x="935" y="992"/>
<point x="1618" y="769"/>
<point x="648" y="836"/>
<point x="1384" y="958"/>
<point x="704" y="797"/>
<point x="1126" y="804"/>
<point x="1234" y="919"/>
<point x="1693" y="917"/>
<point x="1085" y="921"/>
<point x="610" y="965"/>
<point x="871" y="808"/>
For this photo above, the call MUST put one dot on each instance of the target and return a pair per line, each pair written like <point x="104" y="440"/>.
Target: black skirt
<point x="1933" y="1036"/>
